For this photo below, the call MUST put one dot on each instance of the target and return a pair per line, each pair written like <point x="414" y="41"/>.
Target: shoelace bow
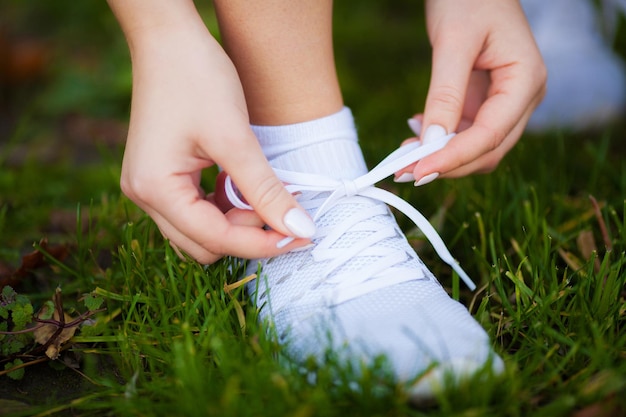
<point x="360" y="282"/>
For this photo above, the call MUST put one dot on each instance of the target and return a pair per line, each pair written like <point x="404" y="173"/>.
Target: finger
<point x="457" y="158"/>
<point x="257" y="182"/>
<point x="512" y="95"/>
<point x="415" y="124"/>
<point x="181" y="244"/>
<point x="488" y="162"/>
<point x="246" y="239"/>
<point x="451" y="70"/>
<point x="234" y="215"/>
<point x="245" y="218"/>
<point x="406" y="174"/>
<point x="198" y="227"/>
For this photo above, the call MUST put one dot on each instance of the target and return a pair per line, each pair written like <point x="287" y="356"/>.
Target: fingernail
<point x="426" y="179"/>
<point x="284" y="242"/>
<point x="433" y="132"/>
<point x="415" y="125"/>
<point x="406" y="177"/>
<point x="299" y="223"/>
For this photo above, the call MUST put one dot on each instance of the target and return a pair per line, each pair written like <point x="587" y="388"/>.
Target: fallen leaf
<point x="45" y="333"/>
<point x="30" y="262"/>
<point x="37" y="259"/>
<point x="586" y="243"/>
<point x="597" y="208"/>
<point x="587" y="246"/>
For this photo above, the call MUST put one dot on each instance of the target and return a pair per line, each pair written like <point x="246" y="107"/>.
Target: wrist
<point x="145" y="22"/>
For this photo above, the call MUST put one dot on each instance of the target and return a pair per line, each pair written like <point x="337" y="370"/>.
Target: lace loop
<point x="234" y="195"/>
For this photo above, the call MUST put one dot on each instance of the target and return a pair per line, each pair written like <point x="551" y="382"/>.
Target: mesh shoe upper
<point x="360" y="289"/>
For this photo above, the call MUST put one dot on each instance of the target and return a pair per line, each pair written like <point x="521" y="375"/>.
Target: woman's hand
<point x="188" y="113"/>
<point x="487" y="78"/>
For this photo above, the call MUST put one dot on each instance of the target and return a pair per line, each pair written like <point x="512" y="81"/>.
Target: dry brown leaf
<point x="597" y="208"/>
<point x="43" y="334"/>
<point x="31" y="261"/>
<point x="586" y="243"/>
<point x="587" y="246"/>
<point x="36" y="259"/>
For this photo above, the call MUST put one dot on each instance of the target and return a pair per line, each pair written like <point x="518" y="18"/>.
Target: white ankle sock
<point x="326" y="146"/>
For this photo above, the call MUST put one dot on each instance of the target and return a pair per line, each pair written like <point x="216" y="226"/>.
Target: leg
<point x="283" y="52"/>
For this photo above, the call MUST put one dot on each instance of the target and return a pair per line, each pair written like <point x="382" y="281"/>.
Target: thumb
<point x="262" y="190"/>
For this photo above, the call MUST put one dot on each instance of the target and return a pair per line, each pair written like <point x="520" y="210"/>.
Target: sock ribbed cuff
<point x="325" y="146"/>
<point x="277" y="140"/>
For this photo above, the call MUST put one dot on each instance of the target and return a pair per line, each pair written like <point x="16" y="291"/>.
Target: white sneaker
<point x="362" y="291"/>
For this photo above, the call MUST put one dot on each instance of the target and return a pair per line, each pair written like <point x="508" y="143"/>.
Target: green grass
<point x="178" y="338"/>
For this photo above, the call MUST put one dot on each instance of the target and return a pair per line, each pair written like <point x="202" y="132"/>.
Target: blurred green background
<point x="65" y="95"/>
<point x="65" y="83"/>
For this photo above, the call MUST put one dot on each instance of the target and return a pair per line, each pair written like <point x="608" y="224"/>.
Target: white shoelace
<point x="355" y="283"/>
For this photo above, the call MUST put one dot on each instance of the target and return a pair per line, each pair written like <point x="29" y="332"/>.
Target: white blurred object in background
<point x="586" y="78"/>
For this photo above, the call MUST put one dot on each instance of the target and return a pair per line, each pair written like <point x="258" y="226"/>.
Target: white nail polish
<point x="299" y="223"/>
<point x="433" y="132"/>
<point x="415" y="125"/>
<point x="284" y="242"/>
<point x="426" y="179"/>
<point x="406" y="177"/>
